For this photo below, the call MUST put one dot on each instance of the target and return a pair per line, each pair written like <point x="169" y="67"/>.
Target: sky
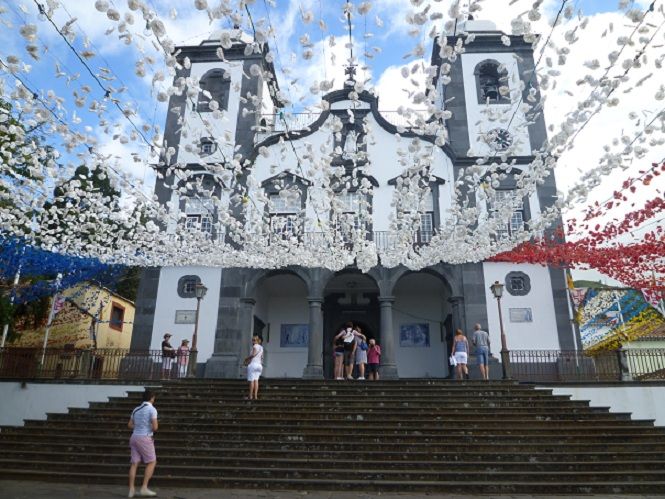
<point x="381" y="41"/>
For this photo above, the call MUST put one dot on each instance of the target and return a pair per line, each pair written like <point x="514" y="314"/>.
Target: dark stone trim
<point x="146" y="303"/>
<point x="290" y="135"/>
<point x="292" y="179"/>
<point x="181" y="286"/>
<point x="483" y="43"/>
<point x="358" y="174"/>
<point x="502" y="101"/>
<point x="568" y="337"/>
<point x="518" y="292"/>
<point x="246" y="125"/>
<point x="472" y="160"/>
<point x="337" y="96"/>
<point x="173" y="129"/>
<point x="202" y="102"/>
<point x="492" y="43"/>
<point x="475" y="305"/>
<point x="208" y="53"/>
<point x="437" y="180"/>
<point x="289" y="179"/>
<point x="457" y="125"/>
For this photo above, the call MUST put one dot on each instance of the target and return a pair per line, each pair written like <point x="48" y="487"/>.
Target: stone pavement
<point x="10" y="489"/>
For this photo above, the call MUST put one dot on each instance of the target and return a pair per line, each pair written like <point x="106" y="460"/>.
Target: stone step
<point x="441" y="410"/>
<point x="351" y="391"/>
<point x="362" y="430"/>
<point x="68" y="449"/>
<point x="346" y="414"/>
<point x="461" y="403"/>
<point x="416" y="436"/>
<point x="353" y="424"/>
<point x="454" y="486"/>
<point x="168" y="426"/>
<point x="393" y="386"/>
<point x="326" y="443"/>
<point x="119" y="457"/>
<point x="369" y="472"/>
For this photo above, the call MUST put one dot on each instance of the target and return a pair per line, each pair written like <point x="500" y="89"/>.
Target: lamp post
<point x="497" y="291"/>
<point x="200" y="292"/>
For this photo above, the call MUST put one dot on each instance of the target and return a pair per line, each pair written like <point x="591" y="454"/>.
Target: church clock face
<point x="500" y="138"/>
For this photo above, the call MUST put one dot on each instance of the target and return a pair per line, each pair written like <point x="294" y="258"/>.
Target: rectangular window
<point x="516" y="222"/>
<point x="117" y="316"/>
<point x="285" y="220"/>
<point x="426" y="227"/>
<point x="353" y="216"/>
<point x="189" y="287"/>
<point x="285" y="226"/>
<point x="199" y="222"/>
<point x="207" y="147"/>
<point x="517" y="283"/>
<point x="285" y="204"/>
<point x="198" y="205"/>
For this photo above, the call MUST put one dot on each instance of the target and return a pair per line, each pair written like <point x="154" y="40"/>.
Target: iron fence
<point x="121" y="364"/>
<point x="112" y="364"/>
<point x="578" y="365"/>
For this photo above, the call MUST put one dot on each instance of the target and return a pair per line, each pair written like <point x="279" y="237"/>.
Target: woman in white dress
<point x="254" y="365"/>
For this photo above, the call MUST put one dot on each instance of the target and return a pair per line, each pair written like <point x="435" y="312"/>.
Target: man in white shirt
<point x="143" y="422"/>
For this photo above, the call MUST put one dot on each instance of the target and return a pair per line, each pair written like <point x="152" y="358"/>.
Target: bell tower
<point x="484" y="88"/>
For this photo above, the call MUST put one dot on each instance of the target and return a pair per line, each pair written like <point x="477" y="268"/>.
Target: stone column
<point x="457" y="303"/>
<point x="314" y="368"/>
<point x="388" y="361"/>
<point x="246" y="321"/>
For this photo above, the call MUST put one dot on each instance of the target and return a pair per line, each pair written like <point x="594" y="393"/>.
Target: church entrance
<point x="349" y="297"/>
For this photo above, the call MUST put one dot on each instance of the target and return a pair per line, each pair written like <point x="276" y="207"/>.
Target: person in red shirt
<point x="373" y="360"/>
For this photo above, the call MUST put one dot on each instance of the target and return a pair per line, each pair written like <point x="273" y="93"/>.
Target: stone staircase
<point x="412" y="436"/>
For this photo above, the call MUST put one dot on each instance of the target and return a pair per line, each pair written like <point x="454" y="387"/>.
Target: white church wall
<point x="419" y="362"/>
<point x="541" y="332"/>
<point x="285" y="362"/>
<point x="169" y="302"/>
<point x="479" y="123"/>
<point x="643" y="402"/>
<point x="382" y="149"/>
<point x="194" y="128"/>
<point x="21" y="401"/>
<point x="267" y="104"/>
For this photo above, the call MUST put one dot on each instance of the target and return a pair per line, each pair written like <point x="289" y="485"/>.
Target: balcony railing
<point x="383" y="240"/>
<point x="270" y="124"/>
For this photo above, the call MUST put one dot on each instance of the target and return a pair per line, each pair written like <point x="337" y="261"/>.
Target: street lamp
<point x="497" y="291"/>
<point x="200" y="291"/>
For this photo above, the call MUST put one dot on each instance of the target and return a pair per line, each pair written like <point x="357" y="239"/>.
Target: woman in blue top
<point x="461" y="354"/>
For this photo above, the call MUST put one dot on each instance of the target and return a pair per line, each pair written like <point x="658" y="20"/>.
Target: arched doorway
<point x="282" y="316"/>
<point x="421" y="321"/>
<point x="348" y="297"/>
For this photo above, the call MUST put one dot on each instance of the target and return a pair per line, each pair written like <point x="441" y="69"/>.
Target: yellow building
<point x="91" y="316"/>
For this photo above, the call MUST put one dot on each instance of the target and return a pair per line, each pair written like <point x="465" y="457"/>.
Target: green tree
<point x="83" y="213"/>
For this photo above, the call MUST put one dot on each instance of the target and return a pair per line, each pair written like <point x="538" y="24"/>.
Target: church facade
<point x="298" y="310"/>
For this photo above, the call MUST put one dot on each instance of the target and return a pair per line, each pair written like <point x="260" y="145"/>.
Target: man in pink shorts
<point x="143" y="422"/>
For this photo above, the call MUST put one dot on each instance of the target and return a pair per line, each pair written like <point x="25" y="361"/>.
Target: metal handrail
<point x="635" y="364"/>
